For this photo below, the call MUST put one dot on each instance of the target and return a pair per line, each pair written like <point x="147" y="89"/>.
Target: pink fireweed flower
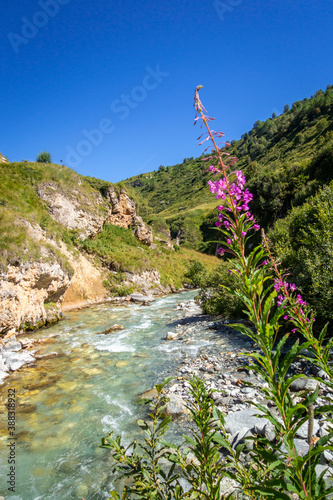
<point x="256" y="227"/>
<point x="229" y="241"/>
<point x="281" y="299"/>
<point x="213" y="169"/>
<point x="218" y="223"/>
<point x="247" y="196"/>
<point x="227" y="224"/>
<point x="300" y="300"/>
<point x="277" y="285"/>
<point x="293" y="287"/>
<point x="243" y="233"/>
<point x="285" y="317"/>
<point x="220" y="251"/>
<point x="240" y="178"/>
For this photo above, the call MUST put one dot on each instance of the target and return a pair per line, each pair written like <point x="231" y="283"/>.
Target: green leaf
<point x="160" y="386"/>
<point x="115" y="495"/>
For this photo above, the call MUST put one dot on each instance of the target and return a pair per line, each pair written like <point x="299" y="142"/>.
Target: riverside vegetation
<point x="272" y="305"/>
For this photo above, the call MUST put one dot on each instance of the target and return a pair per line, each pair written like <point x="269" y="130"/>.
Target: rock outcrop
<point x="34" y="293"/>
<point x="123" y="214"/>
<point x="88" y="214"/>
<point x="3" y="159"/>
<point x="86" y="287"/>
<point x="24" y="290"/>
<point x="149" y="282"/>
<point x="75" y="211"/>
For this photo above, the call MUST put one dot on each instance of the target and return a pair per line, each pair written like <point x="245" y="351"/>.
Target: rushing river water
<point x="66" y="404"/>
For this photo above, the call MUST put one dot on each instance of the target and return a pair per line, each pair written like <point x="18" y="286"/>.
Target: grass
<point x="123" y="252"/>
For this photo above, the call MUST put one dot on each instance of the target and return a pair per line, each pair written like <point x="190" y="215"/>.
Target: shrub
<point x="196" y="273"/>
<point x="215" y="297"/>
<point x="44" y="157"/>
<point x="303" y="241"/>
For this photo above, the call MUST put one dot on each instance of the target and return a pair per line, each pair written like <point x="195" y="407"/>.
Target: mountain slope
<point x="286" y="159"/>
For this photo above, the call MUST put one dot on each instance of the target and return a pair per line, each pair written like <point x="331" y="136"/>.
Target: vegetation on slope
<point x="115" y="248"/>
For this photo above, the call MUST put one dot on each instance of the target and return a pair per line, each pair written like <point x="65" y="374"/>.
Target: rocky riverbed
<point x="237" y="386"/>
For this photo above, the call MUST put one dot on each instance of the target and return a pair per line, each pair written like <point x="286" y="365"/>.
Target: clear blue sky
<point x="128" y="69"/>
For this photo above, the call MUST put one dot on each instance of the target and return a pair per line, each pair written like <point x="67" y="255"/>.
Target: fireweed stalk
<point x="269" y="301"/>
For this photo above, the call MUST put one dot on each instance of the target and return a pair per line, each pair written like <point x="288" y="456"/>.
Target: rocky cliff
<point x="34" y="291"/>
<point x="83" y="213"/>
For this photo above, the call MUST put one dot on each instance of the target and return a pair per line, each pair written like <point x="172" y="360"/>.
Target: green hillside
<point x="23" y="212"/>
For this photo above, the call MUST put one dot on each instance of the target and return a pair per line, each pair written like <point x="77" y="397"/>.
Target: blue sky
<point x="107" y="86"/>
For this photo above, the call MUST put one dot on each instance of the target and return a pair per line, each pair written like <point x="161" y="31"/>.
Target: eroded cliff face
<point x="25" y="289"/>
<point x="89" y="214"/>
<point x="86" y="287"/>
<point x="75" y="211"/>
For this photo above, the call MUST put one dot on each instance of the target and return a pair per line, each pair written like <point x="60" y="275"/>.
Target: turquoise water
<point x="66" y="404"/>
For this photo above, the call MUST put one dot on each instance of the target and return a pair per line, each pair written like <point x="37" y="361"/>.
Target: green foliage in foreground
<point x="158" y="469"/>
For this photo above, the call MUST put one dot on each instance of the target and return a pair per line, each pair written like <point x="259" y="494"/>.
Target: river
<point x="66" y="404"/>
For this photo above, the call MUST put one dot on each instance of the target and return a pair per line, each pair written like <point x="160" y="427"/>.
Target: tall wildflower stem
<point x="200" y="108"/>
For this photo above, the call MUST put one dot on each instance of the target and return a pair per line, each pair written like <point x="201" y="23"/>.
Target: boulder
<point x="138" y="297"/>
<point x="46" y="356"/>
<point x="171" y="336"/>
<point x="302" y="432"/>
<point x="243" y="418"/>
<point x="303" y="383"/>
<point x="114" y="328"/>
<point x="176" y="406"/>
<point x="239" y="438"/>
<point x="12" y="345"/>
<point x="150" y="394"/>
<point x="15" y="360"/>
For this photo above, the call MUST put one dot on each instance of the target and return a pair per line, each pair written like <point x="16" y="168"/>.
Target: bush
<point x="44" y="157"/>
<point x="196" y="273"/>
<point x="215" y="298"/>
<point x="304" y="244"/>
